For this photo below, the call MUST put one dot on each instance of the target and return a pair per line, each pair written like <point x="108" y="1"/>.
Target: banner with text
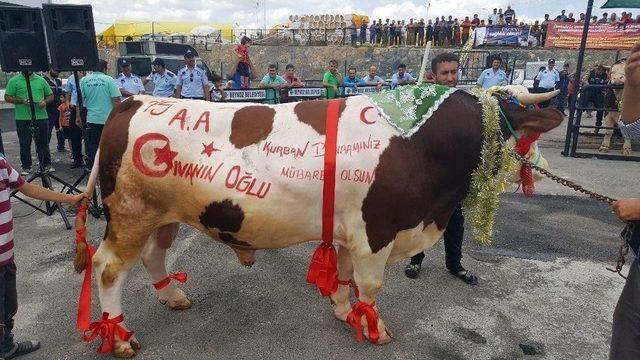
<point x="502" y="36"/>
<point x="601" y="36"/>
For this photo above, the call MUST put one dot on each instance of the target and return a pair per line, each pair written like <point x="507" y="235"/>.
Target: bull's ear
<point x="541" y="121"/>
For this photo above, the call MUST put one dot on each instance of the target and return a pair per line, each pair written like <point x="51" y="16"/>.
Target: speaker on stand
<point x="23" y="48"/>
<point x="71" y="37"/>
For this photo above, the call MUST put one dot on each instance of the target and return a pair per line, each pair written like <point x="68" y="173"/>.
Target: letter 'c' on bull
<point x="138" y="162"/>
<point x="363" y="117"/>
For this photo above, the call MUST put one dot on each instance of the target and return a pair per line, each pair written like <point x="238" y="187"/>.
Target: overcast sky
<point x="249" y="13"/>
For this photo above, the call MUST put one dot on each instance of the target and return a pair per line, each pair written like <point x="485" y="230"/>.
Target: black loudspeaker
<point x="22" y="43"/>
<point x="71" y="36"/>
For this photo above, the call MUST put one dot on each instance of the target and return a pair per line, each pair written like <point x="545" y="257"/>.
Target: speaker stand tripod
<point x="45" y="177"/>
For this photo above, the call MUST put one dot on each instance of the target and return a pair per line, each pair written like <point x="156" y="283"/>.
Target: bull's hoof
<point x="626" y="151"/>
<point x="603" y="149"/>
<point x="124" y="350"/>
<point x="385" y="334"/>
<point x="385" y="338"/>
<point x="341" y="311"/>
<point x="245" y="256"/>
<point x="135" y="344"/>
<point x="179" y="304"/>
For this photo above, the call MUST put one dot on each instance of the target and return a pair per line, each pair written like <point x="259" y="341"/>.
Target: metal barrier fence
<point x="574" y="125"/>
<point x="270" y="96"/>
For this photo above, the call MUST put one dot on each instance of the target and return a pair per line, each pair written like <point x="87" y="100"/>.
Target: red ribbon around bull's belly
<point x="323" y="270"/>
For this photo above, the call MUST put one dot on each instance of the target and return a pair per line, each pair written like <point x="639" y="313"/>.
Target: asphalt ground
<point x="543" y="286"/>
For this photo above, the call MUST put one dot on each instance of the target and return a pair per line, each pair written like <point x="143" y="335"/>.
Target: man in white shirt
<point x="128" y="83"/>
<point x="548" y="77"/>
<point x="492" y="76"/>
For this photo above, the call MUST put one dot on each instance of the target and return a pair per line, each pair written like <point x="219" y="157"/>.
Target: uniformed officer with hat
<point x="192" y="80"/>
<point x="128" y="83"/>
<point x="164" y="81"/>
<point x="548" y="78"/>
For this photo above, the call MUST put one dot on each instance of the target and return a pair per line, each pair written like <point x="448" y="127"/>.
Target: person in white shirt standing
<point x="492" y="76"/>
<point x="164" y="81"/>
<point x="128" y="83"/>
<point x="548" y="78"/>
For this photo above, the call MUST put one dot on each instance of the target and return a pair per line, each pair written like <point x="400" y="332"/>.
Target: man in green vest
<point x="332" y="80"/>
<point x="16" y="93"/>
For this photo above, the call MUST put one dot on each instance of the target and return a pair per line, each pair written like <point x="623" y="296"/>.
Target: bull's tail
<point x="83" y="251"/>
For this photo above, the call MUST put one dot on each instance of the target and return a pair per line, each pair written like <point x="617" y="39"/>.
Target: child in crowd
<point x="63" y="120"/>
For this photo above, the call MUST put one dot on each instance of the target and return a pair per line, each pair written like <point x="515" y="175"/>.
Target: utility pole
<point x="264" y="14"/>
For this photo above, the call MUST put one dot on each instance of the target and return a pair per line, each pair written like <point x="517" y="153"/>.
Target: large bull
<point x="251" y="176"/>
<point x="613" y="100"/>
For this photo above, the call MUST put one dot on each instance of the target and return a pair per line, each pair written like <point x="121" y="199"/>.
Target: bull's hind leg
<point x="609" y="121"/>
<point x="118" y="251"/>
<point x="153" y="258"/>
<point x="368" y="275"/>
<point x="340" y="300"/>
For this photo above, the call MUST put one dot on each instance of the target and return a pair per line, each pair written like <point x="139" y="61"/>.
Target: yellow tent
<point x="122" y="29"/>
<point x="359" y="19"/>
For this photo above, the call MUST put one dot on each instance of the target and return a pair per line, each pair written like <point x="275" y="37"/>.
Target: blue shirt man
<point x="492" y="76"/>
<point x="70" y="89"/>
<point x="128" y="83"/>
<point x="352" y="80"/>
<point x="274" y="83"/>
<point x="192" y="82"/>
<point x="164" y="81"/>
<point x="549" y="76"/>
<point x="401" y="77"/>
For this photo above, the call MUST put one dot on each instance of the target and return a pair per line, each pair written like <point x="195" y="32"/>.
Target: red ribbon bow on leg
<point x="107" y="329"/>
<point x="323" y="270"/>
<point x="371" y="315"/>
<point x="180" y="277"/>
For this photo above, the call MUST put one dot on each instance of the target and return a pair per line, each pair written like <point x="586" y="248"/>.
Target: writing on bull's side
<point x="354" y="175"/>
<point x="243" y="181"/>
<point x="317" y="149"/>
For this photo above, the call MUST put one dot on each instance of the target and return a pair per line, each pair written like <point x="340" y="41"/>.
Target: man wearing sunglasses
<point x="192" y="80"/>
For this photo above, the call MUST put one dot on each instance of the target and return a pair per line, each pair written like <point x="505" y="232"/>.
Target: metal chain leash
<point x="562" y="181"/>
<point x="624" y="248"/>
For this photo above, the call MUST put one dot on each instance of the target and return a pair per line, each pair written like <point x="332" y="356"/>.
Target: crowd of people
<point x="449" y="31"/>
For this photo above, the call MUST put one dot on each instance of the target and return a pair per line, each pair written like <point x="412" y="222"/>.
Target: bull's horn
<point x="530" y="99"/>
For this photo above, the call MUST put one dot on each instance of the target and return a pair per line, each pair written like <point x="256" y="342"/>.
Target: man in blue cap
<point x="164" y="81"/>
<point x="192" y="80"/>
<point x="128" y="83"/>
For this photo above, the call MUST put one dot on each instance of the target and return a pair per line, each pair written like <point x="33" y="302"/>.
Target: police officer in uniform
<point x="548" y="78"/>
<point x="192" y="80"/>
<point x="164" y="81"/>
<point x="128" y="83"/>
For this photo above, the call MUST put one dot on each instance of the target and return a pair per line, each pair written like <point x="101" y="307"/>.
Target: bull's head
<point x="616" y="74"/>
<point x="526" y="121"/>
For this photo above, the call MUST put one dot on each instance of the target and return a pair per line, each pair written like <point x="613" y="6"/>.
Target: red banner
<point x="601" y="36"/>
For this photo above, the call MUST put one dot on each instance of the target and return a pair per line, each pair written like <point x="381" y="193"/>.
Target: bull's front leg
<point x="111" y="271"/>
<point x="609" y="121"/>
<point x="626" y="147"/>
<point x="154" y="260"/>
<point x="340" y="300"/>
<point x="368" y="275"/>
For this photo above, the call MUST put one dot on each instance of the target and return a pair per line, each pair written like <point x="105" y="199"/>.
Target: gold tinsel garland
<point x="496" y="165"/>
